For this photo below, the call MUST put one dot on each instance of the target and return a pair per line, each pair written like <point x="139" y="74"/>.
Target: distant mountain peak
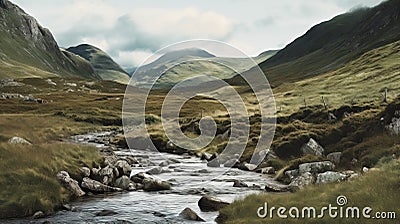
<point x="103" y="64"/>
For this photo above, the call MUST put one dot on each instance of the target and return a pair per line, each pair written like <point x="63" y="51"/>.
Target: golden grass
<point x="378" y="189"/>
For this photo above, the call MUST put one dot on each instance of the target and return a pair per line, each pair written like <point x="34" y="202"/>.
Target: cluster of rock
<point x="115" y="176"/>
<point x="394" y="126"/>
<point x="28" y="98"/>
<point x="10" y="83"/>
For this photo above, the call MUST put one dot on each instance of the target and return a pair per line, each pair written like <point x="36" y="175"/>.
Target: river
<point x="190" y="178"/>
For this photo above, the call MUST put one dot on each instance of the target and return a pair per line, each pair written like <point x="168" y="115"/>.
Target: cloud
<point x="129" y="30"/>
<point x="146" y="30"/>
<point x="129" y="58"/>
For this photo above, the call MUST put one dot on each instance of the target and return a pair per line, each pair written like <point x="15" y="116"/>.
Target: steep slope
<point x="29" y="50"/>
<point x="103" y="64"/>
<point x="330" y="45"/>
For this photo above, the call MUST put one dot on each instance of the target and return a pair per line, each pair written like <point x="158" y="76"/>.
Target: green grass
<point x="28" y="173"/>
<point x="378" y="189"/>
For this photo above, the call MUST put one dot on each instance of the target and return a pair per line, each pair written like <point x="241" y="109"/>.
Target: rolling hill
<point x="29" y="50"/>
<point x="181" y="64"/>
<point x="102" y="63"/>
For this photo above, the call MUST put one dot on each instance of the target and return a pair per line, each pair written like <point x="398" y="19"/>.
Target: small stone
<point x="38" y="215"/>
<point x="238" y="183"/>
<point x="106" y="212"/>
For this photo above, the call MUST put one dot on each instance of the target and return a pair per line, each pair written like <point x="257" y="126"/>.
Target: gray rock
<point x="330" y="177"/>
<point x="85" y="172"/>
<point x="132" y="187"/>
<point x="152" y="184"/>
<point x="313" y="148"/>
<point x="189" y="214"/>
<point x="96" y="186"/>
<point x="70" y="184"/>
<point x="106" y="212"/>
<point x="122" y="182"/>
<point x="214" y="163"/>
<point x="247" y="166"/>
<point x="38" y="215"/>
<point x="123" y="167"/>
<point x="108" y="174"/>
<point x="291" y="174"/>
<point x="231" y="163"/>
<point x="303" y="180"/>
<point x="164" y="163"/>
<point x="211" y="204"/>
<point x="155" y="170"/>
<point x="316" y="167"/>
<point x="18" y="140"/>
<point x="394" y="126"/>
<point x="203" y="171"/>
<point x="334" y="157"/>
<point x="267" y="170"/>
<point x="275" y="187"/>
<point x="238" y="183"/>
<point x="205" y="156"/>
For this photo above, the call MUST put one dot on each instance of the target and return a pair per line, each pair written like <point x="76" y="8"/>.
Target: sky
<point x="132" y="30"/>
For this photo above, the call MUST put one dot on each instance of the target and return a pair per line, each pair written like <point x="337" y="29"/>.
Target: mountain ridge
<point x="25" y="44"/>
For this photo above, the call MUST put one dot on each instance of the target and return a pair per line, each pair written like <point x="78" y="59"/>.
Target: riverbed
<point x="190" y="178"/>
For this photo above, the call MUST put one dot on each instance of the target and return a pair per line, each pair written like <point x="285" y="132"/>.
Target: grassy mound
<point x="378" y="189"/>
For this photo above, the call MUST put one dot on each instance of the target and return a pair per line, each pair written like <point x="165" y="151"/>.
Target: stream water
<point x="191" y="178"/>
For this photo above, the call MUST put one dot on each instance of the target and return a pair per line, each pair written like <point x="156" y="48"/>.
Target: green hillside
<point x="332" y="44"/>
<point x="29" y="50"/>
<point x="183" y="64"/>
<point x="102" y="63"/>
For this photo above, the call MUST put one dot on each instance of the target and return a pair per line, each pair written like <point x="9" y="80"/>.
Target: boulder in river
<point x="210" y="204"/>
<point x="312" y="147"/>
<point x="123" y="167"/>
<point x="95" y="186"/>
<point x="206" y="156"/>
<point x="70" y="184"/>
<point x="106" y="212"/>
<point x="38" y="215"/>
<point x="316" y="167"/>
<point x="189" y="214"/>
<point x="231" y="163"/>
<point x="214" y="163"/>
<point x="85" y="171"/>
<point x="108" y="174"/>
<point x="267" y="170"/>
<point x="155" y="170"/>
<point x="247" y="166"/>
<point x="238" y="183"/>
<point x="153" y="184"/>
<point x="122" y="182"/>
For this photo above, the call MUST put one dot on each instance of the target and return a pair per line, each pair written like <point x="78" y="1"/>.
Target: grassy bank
<point x="378" y="189"/>
<point x="28" y="172"/>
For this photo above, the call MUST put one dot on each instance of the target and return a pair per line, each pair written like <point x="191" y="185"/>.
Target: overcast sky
<point x="131" y="30"/>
